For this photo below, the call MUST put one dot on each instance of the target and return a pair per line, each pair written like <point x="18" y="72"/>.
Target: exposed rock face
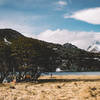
<point x="69" y="45"/>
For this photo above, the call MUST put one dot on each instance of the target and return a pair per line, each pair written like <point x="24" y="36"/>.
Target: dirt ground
<point x="56" y="88"/>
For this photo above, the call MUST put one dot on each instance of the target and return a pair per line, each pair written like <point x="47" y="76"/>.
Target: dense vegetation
<point x="22" y="54"/>
<point x="72" y="58"/>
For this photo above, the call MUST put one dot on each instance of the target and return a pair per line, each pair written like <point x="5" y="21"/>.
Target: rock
<point x="12" y="87"/>
<point x="93" y="88"/>
<point x="58" y="86"/>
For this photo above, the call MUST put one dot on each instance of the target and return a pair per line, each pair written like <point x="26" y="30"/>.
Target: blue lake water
<point x="72" y="73"/>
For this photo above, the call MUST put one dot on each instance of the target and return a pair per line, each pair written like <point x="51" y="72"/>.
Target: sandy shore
<point x="55" y="88"/>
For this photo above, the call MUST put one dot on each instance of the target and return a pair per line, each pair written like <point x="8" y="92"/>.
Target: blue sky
<point x="58" y="21"/>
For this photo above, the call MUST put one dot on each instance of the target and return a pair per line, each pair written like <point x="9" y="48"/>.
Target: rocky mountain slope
<point x="95" y="47"/>
<point x="23" y="53"/>
<point x="9" y="34"/>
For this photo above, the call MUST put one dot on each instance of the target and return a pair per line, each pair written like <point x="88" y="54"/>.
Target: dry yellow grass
<point x="58" y="88"/>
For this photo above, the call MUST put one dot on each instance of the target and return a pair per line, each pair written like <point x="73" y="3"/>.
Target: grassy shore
<point x="66" y="87"/>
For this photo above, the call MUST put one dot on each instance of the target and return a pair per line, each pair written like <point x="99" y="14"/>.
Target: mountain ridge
<point x="95" y="47"/>
<point x="27" y="54"/>
<point x="9" y="34"/>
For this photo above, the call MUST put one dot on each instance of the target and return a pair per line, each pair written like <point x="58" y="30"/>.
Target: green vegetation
<point x="23" y="54"/>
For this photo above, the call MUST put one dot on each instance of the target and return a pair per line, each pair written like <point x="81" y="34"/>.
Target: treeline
<point x="26" y="55"/>
<point x="75" y="59"/>
<point x="31" y="56"/>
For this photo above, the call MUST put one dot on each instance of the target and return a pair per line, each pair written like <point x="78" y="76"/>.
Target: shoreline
<point x="70" y="77"/>
<point x="81" y="87"/>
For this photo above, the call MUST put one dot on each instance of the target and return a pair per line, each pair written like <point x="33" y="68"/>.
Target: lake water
<point x="72" y="73"/>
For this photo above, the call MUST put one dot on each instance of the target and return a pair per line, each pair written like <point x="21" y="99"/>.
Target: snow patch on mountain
<point x="6" y="41"/>
<point x="95" y="47"/>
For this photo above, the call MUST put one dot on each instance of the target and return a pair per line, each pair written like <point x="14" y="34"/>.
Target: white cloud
<point x="62" y="3"/>
<point x="19" y="23"/>
<point x="91" y="15"/>
<point x="80" y="39"/>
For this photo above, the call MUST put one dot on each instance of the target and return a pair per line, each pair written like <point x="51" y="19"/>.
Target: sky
<point x="57" y="21"/>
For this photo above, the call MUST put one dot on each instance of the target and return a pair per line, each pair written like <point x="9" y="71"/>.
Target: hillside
<point x="28" y="54"/>
<point x="9" y="34"/>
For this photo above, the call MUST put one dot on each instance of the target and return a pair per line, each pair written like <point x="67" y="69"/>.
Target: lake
<point x="72" y="73"/>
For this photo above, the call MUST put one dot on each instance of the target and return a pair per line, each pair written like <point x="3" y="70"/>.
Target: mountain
<point x="95" y="47"/>
<point x="28" y="54"/>
<point x="69" y="46"/>
<point x="24" y="53"/>
<point x="9" y="34"/>
<point x="72" y="58"/>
